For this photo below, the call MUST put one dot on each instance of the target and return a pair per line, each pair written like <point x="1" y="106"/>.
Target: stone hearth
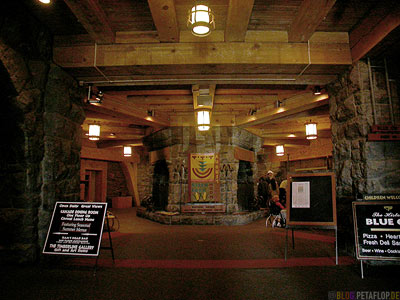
<point x="226" y="199"/>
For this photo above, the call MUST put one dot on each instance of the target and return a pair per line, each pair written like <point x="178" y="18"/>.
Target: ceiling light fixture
<point x="311" y="131"/>
<point x="45" y="1"/>
<point x="127" y="151"/>
<point x="280" y="150"/>
<point x="201" y="20"/>
<point x="203" y="119"/>
<point x="94" y="132"/>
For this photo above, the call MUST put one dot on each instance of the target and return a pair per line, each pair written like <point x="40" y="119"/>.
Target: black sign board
<point x="377" y="230"/>
<point x="76" y="228"/>
<point x="317" y="207"/>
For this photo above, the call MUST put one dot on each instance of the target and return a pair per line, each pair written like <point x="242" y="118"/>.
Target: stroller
<point x="276" y="215"/>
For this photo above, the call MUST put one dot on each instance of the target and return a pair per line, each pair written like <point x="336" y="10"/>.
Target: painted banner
<point x="204" y="178"/>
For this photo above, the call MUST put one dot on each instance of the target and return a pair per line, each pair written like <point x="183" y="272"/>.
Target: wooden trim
<point x="130" y="171"/>
<point x="312" y="223"/>
<point x="92" y="165"/>
<point x="243" y="154"/>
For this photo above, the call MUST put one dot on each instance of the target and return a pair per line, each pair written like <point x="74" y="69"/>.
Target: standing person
<point x="263" y="191"/>
<point x="282" y="192"/>
<point x="274" y="187"/>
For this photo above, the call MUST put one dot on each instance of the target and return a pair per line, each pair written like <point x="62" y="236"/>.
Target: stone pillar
<point x="361" y="166"/>
<point x="45" y="150"/>
<point x="63" y="116"/>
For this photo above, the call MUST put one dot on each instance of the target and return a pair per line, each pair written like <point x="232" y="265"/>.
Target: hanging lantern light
<point x="203" y="119"/>
<point x="127" y="151"/>
<point x="311" y="131"/>
<point x="279" y="150"/>
<point x="94" y="132"/>
<point x="201" y="20"/>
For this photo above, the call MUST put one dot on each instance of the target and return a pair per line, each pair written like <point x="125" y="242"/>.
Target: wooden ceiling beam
<point x="118" y="143"/>
<point x="309" y="16"/>
<point x="164" y="17"/>
<point x="374" y="29"/>
<point x="92" y="17"/>
<point x="288" y="79"/>
<point x="173" y="54"/>
<point x="299" y="132"/>
<point x="108" y="155"/>
<point x="116" y="129"/>
<point x="117" y="109"/>
<point x="295" y="105"/>
<point x="239" y="12"/>
<point x="286" y="142"/>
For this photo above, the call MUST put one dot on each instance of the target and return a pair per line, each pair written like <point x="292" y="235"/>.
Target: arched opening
<point x="12" y="163"/>
<point x="245" y="183"/>
<point x="160" y="185"/>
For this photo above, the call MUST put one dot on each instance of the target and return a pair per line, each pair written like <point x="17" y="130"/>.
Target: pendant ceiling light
<point x="280" y="150"/>
<point x="201" y="20"/>
<point x="203" y="119"/>
<point x="127" y="151"/>
<point x="94" y="132"/>
<point x="311" y="131"/>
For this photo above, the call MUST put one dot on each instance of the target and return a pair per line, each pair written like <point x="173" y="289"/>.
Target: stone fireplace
<point x="177" y="190"/>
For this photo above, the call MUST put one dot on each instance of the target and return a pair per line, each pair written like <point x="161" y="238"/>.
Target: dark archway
<point x="12" y="162"/>
<point x="245" y="182"/>
<point x="160" y="185"/>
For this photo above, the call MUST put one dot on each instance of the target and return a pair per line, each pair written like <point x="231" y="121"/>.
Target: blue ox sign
<point x="377" y="229"/>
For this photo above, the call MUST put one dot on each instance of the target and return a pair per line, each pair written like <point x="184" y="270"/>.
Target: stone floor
<point x="157" y="261"/>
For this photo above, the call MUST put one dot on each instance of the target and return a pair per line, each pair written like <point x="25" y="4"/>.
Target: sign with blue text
<point x="76" y="228"/>
<point x="377" y="230"/>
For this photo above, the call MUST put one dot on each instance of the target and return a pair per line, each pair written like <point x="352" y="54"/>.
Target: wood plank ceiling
<point x="146" y="61"/>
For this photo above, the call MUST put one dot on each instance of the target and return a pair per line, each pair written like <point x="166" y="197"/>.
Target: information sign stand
<point x="308" y="227"/>
<point x="110" y="247"/>
<point x="311" y="204"/>
<point x="376" y="230"/>
<point x="76" y="229"/>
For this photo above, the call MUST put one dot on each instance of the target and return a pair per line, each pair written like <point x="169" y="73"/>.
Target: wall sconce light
<point x="127" y="151"/>
<point x="201" y="20"/>
<point x="311" y="131"/>
<point x="45" y="1"/>
<point x="203" y="119"/>
<point x="280" y="150"/>
<point x="317" y="90"/>
<point x="94" y="132"/>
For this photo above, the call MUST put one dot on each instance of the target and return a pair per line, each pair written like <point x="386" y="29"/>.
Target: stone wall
<point x="185" y="140"/>
<point x="145" y="180"/>
<point x="116" y="182"/>
<point x="47" y="105"/>
<point x="361" y="166"/>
